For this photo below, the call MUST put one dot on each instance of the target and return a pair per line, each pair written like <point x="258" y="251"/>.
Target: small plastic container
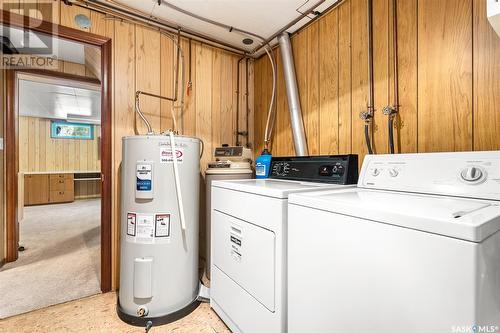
<point x="263" y="164"/>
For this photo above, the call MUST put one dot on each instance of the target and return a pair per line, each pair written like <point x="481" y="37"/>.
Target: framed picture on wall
<point x="67" y="130"/>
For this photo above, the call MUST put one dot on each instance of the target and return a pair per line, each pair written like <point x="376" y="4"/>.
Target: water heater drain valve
<point x="142" y="311"/>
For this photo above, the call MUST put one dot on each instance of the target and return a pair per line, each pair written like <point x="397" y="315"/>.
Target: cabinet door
<point x="37" y="189"/>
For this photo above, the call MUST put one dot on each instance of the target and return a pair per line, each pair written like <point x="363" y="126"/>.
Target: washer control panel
<point x="466" y="174"/>
<point x="337" y="169"/>
<point x="473" y="174"/>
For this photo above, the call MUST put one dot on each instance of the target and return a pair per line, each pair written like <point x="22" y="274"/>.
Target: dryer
<point x="249" y="226"/>
<point x="414" y="248"/>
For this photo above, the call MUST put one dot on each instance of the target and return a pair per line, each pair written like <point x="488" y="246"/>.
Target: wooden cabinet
<point x="36" y="189"/>
<point x="42" y="189"/>
<point x="61" y="188"/>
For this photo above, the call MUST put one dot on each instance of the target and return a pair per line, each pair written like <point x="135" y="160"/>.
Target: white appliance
<point x="229" y="163"/>
<point x="159" y="228"/>
<point x="248" y="274"/>
<point x="414" y="248"/>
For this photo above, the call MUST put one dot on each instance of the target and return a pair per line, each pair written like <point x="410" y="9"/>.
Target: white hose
<point x="271" y="114"/>
<point x="177" y="182"/>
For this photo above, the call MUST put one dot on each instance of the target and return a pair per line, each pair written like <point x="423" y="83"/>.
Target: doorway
<point x="61" y="186"/>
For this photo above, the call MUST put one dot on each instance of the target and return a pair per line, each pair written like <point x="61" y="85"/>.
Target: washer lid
<point x="467" y="219"/>
<point x="274" y="187"/>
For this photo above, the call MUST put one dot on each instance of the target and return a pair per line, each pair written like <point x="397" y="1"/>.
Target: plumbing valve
<point x="366" y="115"/>
<point x="389" y="110"/>
<point x="142" y="311"/>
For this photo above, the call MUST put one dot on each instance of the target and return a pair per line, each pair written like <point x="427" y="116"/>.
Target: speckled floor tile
<point x="98" y="314"/>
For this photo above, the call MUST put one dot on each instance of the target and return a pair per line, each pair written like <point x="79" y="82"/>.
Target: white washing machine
<point x="248" y="269"/>
<point x="414" y="248"/>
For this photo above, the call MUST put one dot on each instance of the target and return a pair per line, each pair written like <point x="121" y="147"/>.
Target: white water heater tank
<point x="159" y="259"/>
<point x="493" y="13"/>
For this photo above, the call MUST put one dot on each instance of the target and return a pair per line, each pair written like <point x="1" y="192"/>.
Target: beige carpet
<point x="61" y="261"/>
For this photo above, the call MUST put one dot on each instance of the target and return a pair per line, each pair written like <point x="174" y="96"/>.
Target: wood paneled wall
<point x="38" y="152"/>
<point x="142" y="60"/>
<point x="449" y="79"/>
<point x="3" y="245"/>
<point x="87" y="189"/>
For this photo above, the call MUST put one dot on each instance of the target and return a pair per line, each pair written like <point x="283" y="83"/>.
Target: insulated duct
<point x="292" y="93"/>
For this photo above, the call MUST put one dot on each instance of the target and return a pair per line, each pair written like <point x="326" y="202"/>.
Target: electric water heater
<point x="159" y="228"/>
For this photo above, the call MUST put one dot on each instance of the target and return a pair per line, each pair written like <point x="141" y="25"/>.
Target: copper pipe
<point x="237" y="133"/>
<point x="395" y="48"/>
<point x="247" y="110"/>
<point x="141" y="114"/>
<point x="367" y="115"/>
<point x="371" y="103"/>
<point x="391" y="111"/>
<point x="176" y="91"/>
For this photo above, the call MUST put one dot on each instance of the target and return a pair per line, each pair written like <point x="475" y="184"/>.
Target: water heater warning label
<point x="148" y="228"/>
<point x="131" y="224"/>
<point x="162" y="225"/>
<point x="166" y="154"/>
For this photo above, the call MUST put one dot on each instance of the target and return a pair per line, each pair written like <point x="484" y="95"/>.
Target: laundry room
<point x="250" y="166"/>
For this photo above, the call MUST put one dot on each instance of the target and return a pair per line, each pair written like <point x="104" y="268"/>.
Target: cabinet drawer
<point x="61" y="196"/>
<point x="61" y="184"/>
<point x="61" y="176"/>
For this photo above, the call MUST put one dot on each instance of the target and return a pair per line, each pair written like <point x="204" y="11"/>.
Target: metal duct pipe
<point x="292" y="93"/>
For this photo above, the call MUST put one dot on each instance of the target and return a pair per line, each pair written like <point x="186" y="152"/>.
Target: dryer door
<point x="246" y="253"/>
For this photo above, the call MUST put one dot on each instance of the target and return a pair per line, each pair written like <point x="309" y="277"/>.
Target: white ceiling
<point x="260" y="17"/>
<point x="62" y="49"/>
<point x="57" y="101"/>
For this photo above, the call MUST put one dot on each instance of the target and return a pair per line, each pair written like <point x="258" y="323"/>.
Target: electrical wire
<point x="139" y="112"/>
<point x="209" y="21"/>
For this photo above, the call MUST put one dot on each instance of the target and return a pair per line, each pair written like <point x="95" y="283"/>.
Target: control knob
<point x="472" y="174"/>
<point x="278" y="168"/>
<point x="375" y="172"/>
<point x="393" y="172"/>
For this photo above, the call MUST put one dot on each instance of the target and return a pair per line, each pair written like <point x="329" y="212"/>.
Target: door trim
<point x="11" y="134"/>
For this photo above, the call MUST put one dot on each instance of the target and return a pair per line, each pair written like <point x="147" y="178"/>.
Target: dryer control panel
<point x="335" y="169"/>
